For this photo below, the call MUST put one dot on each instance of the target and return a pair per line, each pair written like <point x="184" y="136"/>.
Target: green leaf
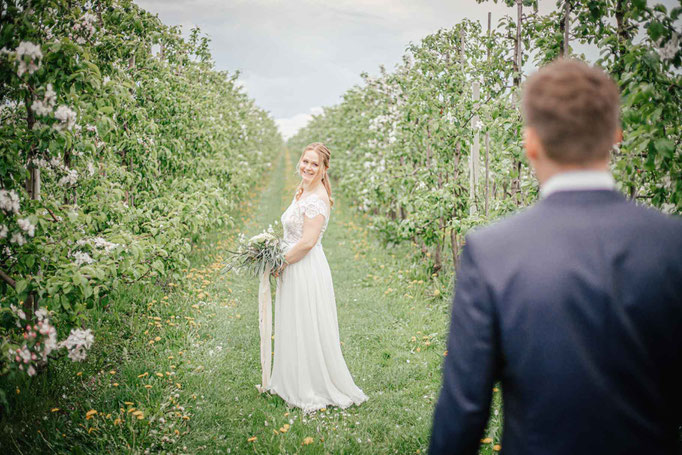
<point x="665" y="147"/>
<point x="656" y="30"/>
<point x="20" y="286"/>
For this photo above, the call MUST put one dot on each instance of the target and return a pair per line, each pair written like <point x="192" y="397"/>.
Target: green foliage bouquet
<point x="257" y="254"/>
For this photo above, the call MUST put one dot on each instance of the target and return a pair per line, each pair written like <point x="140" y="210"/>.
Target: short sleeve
<point x="313" y="206"/>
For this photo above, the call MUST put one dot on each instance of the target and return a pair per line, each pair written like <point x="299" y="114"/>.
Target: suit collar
<point x="578" y="181"/>
<point x="584" y="197"/>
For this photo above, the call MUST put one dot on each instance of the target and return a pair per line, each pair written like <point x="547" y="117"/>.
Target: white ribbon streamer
<point x="265" y="320"/>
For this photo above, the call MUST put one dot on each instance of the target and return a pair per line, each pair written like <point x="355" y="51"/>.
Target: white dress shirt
<point x="578" y="181"/>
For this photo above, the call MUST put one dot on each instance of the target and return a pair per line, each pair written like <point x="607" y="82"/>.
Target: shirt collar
<point x="578" y="181"/>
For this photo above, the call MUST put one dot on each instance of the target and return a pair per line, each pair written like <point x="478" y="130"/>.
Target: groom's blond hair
<point x="574" y="109"/>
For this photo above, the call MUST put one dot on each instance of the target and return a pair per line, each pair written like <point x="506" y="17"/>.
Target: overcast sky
<point x="295" y="56"/>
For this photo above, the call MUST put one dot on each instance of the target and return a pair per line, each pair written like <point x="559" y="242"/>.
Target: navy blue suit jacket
<point x="575" y="307"/>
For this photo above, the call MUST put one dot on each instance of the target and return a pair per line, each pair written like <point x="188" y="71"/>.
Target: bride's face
<point x="310" y="167"/>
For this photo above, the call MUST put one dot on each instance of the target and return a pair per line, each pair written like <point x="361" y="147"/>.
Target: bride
<point x="309" y="370"/>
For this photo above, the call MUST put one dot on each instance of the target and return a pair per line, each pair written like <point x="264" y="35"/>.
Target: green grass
<point x="393" y="323"/>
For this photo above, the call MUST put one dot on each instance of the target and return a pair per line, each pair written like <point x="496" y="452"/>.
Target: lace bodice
<point x="292" y="218"/>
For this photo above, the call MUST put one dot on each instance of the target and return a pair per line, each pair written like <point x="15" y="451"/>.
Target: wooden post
<point x="487" y="140"/>
<point x="565" y="28"/>
<point x="518" y="64"/>
<point x="517" y="45"/>
<point x="474" y="158"/>
<point x="489" y="20"/>
<point x="486" y="204"/>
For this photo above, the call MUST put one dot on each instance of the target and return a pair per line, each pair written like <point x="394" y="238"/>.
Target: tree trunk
<point x="487" y="172"/>
<point x="622" y="35"/>
<point x="454" y="245"/>
<point x="517" y="64"/>
<point x="567" y="29"/>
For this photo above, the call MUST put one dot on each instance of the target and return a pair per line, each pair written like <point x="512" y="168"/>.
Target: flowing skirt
<point x="309" y="370"/>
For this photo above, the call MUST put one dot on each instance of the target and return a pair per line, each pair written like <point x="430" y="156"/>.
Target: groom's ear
<point x="531" y="144"/>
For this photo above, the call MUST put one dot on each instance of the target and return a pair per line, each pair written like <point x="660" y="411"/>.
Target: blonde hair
<point x="325" y="155"/>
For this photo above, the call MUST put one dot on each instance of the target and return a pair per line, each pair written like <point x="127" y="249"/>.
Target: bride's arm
<point x="311" y="232"/>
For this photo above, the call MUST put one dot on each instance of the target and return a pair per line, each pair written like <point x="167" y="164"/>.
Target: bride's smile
<point x="309" y="168"/>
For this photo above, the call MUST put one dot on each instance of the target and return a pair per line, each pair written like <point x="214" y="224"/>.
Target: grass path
<point x="392" y="323"/>
<point x="174" y="370"/>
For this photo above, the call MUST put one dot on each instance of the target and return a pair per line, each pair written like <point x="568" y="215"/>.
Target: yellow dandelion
<point x="157" y="338"/>
<point x="147" y="386"/>
<point x="79" y="373"/>
<point x="117" y="422"/>
<point x="487" y="440"/>
<point x="159" y="374"/>
<point x="90" y="414"/>
<point x="54" y="409"/>
<point x="115" y="384"/>
<point x="307" y="441"/>
<point x="129" y="403"/>
<point x="497" y="447"/>
<point x="112" y="372"/>
<point x="252" y="439"/>
<point x="145" y="374"/>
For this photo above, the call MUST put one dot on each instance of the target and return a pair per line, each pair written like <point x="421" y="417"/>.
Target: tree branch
<point x="8" y="279"/>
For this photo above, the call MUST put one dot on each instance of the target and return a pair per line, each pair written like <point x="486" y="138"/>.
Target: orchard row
<point x="121" y="144"/>
<point x="435" y="146"/>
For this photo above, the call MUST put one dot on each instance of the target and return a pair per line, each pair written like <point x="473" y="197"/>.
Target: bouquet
<point x="260" y="253"/>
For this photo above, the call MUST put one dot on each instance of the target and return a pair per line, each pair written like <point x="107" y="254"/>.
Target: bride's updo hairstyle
<point x="325" y="155"/>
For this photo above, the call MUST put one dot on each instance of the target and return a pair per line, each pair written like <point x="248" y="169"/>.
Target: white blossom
<point x="50" y="95"/>
<point x="66" y="117"/>
<point x="18" y="239"/>
<point x="81" y="258"/>
<point x="671" y="48"/>
<point x="41" y="314"/>
<point x="55" y="162"/>
<point x="40" y="162"/>
<point x="9" y="201"/>
<point x="18" y="311"/>
<point x="3" y="231"/>
<point x="26" y="226"/>
<point x="35" y="56"/>
<point x="101" y="243"/>
<point x="40" y="108"/>
<point x="24" y="354"/>
<point x="77" y="343"/>
<point x="70" y="178"/>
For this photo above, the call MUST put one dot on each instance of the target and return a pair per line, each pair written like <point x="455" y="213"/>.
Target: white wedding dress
<point x="309" y="370"/>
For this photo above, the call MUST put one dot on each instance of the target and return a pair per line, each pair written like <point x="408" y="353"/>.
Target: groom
<point x="574" y="305"/>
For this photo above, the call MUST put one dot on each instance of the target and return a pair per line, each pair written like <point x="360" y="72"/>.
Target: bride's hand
<point x="276" y="273"/>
